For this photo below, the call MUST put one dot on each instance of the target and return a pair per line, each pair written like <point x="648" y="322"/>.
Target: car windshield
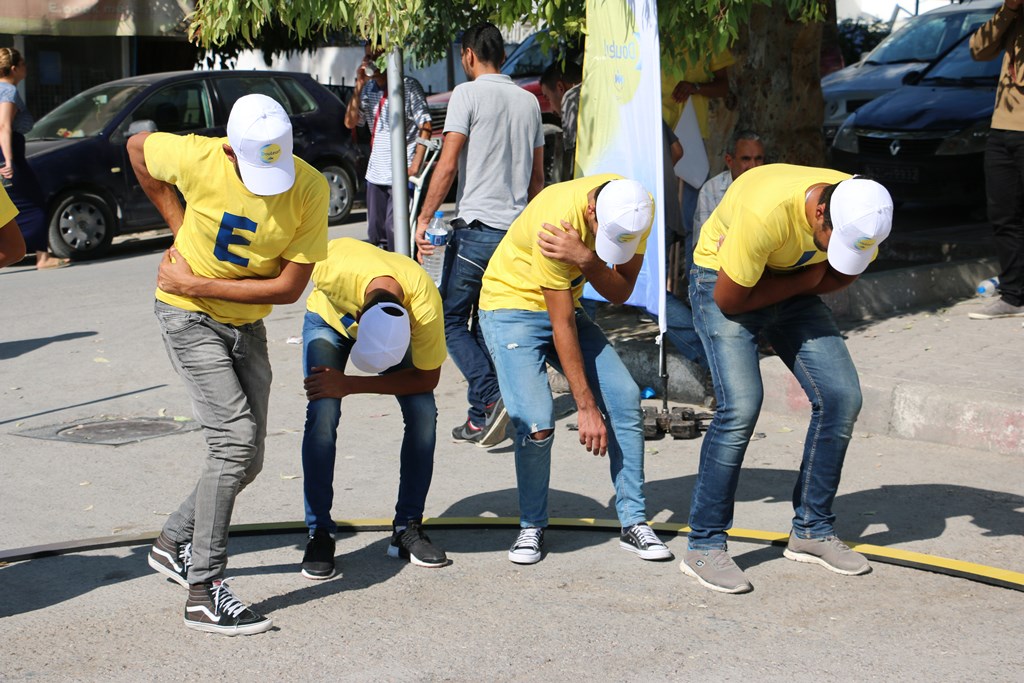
<point x="926" y="37"/>
<point x="958" y="68"/>
<point x="85" y="114"/>
<point x="528" y="59"/>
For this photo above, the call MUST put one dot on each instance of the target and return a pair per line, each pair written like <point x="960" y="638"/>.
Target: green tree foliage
<point x="425" y="28"/>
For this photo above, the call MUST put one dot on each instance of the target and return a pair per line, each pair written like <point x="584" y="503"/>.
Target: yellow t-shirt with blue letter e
<point x="230" y="233"/>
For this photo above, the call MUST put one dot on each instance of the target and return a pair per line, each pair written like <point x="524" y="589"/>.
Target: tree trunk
<point x="775" y="90"/>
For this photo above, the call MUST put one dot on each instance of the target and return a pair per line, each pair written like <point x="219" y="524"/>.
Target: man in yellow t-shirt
<point x="382" y="312"/>
<point x="531" y="316"/>
<point x="12" y="244"/>
<point x="781" y="236"/>
<point x="254" y="223"/>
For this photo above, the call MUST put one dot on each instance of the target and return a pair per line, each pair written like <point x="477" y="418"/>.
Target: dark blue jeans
<point x="323" y="346"/>
<point x="807" y="340"/>
<point x="469" y="251"/>
<point x="1004" y="183"/>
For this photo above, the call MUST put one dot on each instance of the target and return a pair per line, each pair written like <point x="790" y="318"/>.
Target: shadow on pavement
<point x="13" y="349"/>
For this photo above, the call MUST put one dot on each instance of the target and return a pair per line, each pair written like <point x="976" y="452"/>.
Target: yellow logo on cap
<point x="625" y="237"/>
<point x="270" y="153"/>
<point x="863" y="243"/>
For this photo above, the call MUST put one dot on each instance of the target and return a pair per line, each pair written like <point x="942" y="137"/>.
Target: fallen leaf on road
<point x="785" y="429"/>
<point x="290" y="476"/>
<point x="100" y="360"/>
<point x="87" y="508"/>
<point x="182" y="418"/>
<point x="84" y="483"/>
<point x="162" y="412"/>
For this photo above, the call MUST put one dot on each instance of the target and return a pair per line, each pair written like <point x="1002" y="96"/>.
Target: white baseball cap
<point x="382" y="337"/>
<point x="861" y="212"/>
<point x="625" y="212"/>
<point x="260" y="132"/>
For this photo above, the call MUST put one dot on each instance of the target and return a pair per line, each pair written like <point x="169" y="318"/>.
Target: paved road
<point x="81" y="343"/>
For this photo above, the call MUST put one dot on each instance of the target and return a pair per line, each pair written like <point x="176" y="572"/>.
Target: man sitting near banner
<point x="745" y="152"/>
<point x="530" y="315"/>
<point x="781" y="236"/>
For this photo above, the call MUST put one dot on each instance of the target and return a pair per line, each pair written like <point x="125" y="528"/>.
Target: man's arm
<point x="12" y="244"/>
<point x="426" y="130"/>
<point x="353" y="109"/>
<point x="717" y="87"/>
<point x="161" y="193"/>
<point x="989" y="41"/>
<point x="733" y="298"/>
<point x="536" y="174"/>
<point x="333" y="383"/>
<point x="833" y="281"/>
<point x="614" y="284"/>
<point x="592" y="430"/>
<point x="440" y="182"/>
<point x="175" y="276"/>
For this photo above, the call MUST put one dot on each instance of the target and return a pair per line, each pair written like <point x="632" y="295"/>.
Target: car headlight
<point x="970" y="140"/>
<point x="846" y="137"/>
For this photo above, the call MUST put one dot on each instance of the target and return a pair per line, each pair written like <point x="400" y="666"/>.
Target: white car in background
<point x="920" y="42"/>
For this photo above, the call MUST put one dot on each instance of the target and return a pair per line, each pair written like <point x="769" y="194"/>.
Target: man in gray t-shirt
<point x="493" y="139"/>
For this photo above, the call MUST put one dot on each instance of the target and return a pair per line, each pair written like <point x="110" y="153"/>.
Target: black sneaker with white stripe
<point x="528" y="547"/>
<point x="412" y="544"/>
<point x="171" y="559"/>
<point x="213" y="608"/>
<point x="318" y="560"/>
<point x="641" y="539"/>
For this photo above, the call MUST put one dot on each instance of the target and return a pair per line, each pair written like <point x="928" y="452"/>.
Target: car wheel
<point x="343" y="193"/>
<point x="81" y="227"/>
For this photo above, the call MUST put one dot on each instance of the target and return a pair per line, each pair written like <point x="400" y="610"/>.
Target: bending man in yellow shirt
<point x="382" y="312"/>
<point x="781" y="236"/>
<point x="254" y="224"/>
<point x="531" y="316"/>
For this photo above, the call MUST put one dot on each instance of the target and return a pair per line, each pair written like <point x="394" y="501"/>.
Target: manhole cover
<point x="112" y="431"/>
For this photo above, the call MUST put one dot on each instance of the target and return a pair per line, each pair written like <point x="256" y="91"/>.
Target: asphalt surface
<point x="81" y="343"/>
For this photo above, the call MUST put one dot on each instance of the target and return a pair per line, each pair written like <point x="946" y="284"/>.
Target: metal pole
<point x="663" y="371"/>
<point x="399" y="162"/>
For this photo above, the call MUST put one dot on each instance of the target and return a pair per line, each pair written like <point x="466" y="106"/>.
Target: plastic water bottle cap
<point x="439" y="214"/>
<point x="647" y="393"/>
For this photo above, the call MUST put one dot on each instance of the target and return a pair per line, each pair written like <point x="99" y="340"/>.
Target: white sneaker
<point x="528" y="546"/>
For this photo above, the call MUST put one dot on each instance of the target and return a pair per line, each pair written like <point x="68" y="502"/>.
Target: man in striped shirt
<point x="368" y="106"/>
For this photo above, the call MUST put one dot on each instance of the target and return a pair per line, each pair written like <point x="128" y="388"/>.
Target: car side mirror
<point x="911" y="78"/>
<point x="142" y="126"/>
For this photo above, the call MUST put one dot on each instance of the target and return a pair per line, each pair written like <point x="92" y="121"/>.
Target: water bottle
<point x="988" y="287"/>
<point x="437" y="234"/>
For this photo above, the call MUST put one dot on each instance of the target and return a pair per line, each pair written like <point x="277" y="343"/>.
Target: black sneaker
<point x="414" y="545"/>
<point x="529" y="546"/>
<point x="213" y="608"/>
<point x="496" y="426"/>
<point x="641" y="539"/>
<point x="468" y="432"/>
<point x="318" y="562"/>
<point x="171" y="559"/>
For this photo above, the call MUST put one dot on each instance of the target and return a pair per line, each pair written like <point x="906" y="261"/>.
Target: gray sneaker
<point x="829" y="552"/>
<point x="496" y="425"/>
<point x="997" y="309"/>
<point x="714" y="569"/>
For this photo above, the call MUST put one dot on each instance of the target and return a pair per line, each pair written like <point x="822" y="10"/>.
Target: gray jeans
<point x="226" y="370"/>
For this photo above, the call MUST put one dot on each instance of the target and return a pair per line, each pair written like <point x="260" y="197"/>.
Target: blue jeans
<point x="226" y="372"/>
<point x="522" y="345"/>
<point x="690" y="195"/>
<point x="323" y="346"/>
<point x="680" y="331"/>
<point x="807" y="340"/>
<point x="469" y="251"/>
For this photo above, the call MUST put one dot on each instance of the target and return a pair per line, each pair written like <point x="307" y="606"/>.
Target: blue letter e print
<point x="226" y="237"/>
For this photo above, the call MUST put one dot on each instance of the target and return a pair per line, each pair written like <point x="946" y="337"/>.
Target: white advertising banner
<point x="620" y="129"/>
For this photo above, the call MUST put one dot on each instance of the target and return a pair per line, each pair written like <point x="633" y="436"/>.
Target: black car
<point x="78" y="150"/>
<point x="926" y="139"/>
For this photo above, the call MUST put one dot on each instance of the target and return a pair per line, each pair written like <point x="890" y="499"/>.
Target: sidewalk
<point x="927" y="371"/>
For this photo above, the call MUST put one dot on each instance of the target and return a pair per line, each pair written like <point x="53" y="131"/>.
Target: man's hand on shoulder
<point x="175" y="276"/>
<point x="564" y="244"/>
